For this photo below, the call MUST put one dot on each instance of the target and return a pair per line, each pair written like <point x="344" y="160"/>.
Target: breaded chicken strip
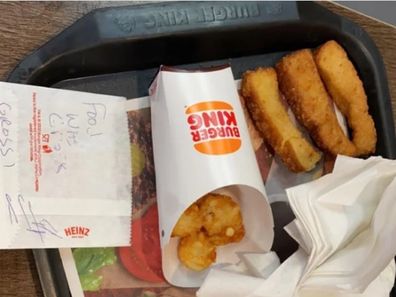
<point x="260" y="91"/>
<point x="343" y="83"/>
<point x="300" y="82"/>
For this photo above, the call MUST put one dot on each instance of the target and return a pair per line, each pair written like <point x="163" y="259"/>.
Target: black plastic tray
<point x="118" y="50"/>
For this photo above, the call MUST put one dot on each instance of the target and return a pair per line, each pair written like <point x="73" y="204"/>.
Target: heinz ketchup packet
<point x="201" y="145"/>
<point x="65" y="169"/>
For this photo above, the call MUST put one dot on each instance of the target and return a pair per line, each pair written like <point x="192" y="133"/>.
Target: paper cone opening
<point x="258" y="224"/>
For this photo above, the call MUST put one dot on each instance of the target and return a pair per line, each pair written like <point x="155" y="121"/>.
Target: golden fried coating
<point x="189" y="222"/>
<point x="222" y="219"/>
<point x="300" y="82"/>
<point x="260" y="90"/>
<point x="345" y="87"/>
<point x="211" y="221"/>
<point x="255" y="136"/>
<point x="196" y="251"/>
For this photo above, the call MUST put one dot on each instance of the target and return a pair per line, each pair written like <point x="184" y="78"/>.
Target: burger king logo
<point x="213" y="127"/>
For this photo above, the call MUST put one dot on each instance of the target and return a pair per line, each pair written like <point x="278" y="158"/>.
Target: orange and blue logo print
<point x="213" y="127"/>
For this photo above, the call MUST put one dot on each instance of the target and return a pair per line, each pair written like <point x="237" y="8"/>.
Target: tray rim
<point x="42" y="257"/>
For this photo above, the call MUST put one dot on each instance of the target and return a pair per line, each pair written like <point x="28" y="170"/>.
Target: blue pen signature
<point x="11" y="211"/>
<point x="40" y="227"/>
<point x="96" y="112"/>
<point x="65" y="131"/>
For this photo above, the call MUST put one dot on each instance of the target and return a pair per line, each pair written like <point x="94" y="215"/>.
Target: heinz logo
<point x="77" y="232"/>
<point x="213" y="127"/>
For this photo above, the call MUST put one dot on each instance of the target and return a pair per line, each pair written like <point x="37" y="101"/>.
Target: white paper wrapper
<point x="65" y="169"/>
<point x="201" y="144"/>
<point x="281" y="283"/>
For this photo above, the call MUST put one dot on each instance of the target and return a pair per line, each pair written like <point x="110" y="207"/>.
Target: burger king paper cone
<point x="201" y="145"/>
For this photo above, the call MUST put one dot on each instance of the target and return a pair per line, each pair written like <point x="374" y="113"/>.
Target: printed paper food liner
<point x="134" y="277"/>
<point x="201" y="144"/>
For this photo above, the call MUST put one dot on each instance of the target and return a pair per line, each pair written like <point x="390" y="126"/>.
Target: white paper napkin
<point x="369" y="252"/>
<point x="283" y="282"/>
<point x="345" y="225"/>
<point x="381" y="286"/>
<point x="339" y="221"/>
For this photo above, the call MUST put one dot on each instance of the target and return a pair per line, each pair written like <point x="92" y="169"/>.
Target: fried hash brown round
<point x="222" y="219"/>
<point x="189" y="222"/>
<point x="196" y="251"/>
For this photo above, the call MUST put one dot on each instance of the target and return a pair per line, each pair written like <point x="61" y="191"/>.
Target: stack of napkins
<point x="345" y="225"/>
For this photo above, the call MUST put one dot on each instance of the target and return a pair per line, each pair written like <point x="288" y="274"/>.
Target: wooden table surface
<point x="25" y="26"/>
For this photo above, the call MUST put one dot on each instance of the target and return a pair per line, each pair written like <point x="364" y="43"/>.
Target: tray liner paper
<point x="140" y="273"/>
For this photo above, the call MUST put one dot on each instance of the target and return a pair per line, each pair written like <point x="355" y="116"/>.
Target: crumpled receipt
<point x="65" y="167"/>
<point x="345" y="225"/>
